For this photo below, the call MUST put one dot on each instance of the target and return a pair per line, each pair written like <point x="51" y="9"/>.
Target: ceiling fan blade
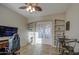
<point x="22" y="7"/>
<point x="37" y="8"/>
<point x="25" y="3"/>
<point x="28" y="4"/>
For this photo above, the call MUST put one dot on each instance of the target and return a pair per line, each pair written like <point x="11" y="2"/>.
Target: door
<point x="43" y="34"/>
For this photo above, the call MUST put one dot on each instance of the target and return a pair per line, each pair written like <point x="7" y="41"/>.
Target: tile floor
<point x="38" y="49"/>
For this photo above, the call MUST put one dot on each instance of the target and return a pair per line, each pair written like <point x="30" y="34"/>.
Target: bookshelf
<point x="59" y="30"/>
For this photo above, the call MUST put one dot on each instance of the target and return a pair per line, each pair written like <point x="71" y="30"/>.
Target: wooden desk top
<point x="3" y="43"/>
<point x="3" y="40"/>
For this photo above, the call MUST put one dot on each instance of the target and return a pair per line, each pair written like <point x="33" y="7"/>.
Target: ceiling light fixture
<point x="31" y="7"/>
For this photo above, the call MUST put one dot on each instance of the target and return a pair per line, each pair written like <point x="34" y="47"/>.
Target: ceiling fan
<point x="31" y="7"/>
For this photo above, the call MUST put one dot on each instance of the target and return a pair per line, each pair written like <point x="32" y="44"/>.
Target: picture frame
<point x="67" y="25"/>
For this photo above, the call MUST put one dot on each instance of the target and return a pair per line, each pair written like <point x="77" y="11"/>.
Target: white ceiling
<point x="48" y="9"/>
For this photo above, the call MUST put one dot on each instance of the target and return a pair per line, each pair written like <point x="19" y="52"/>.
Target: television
<point x="7" y="31"/>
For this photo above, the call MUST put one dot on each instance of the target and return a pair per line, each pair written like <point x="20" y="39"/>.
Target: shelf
<point x="59" y="20"/>
<point x="59" y="28"/>
<point x="59" y="31"/>
<point x="59" y="25"/>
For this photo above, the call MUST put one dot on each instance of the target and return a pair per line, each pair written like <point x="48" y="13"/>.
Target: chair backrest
<point x="14" y="43"/>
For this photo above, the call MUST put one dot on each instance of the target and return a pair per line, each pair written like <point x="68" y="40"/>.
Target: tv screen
<point x="7" y="31"/>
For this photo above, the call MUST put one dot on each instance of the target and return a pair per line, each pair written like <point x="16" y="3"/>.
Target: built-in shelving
<point x="59" y="30"/>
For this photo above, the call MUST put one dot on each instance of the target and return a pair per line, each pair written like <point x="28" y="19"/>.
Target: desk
<point x="3" y="43"/>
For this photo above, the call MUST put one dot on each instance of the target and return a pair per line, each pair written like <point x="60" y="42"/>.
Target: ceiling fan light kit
<point x="31" y="7"/>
